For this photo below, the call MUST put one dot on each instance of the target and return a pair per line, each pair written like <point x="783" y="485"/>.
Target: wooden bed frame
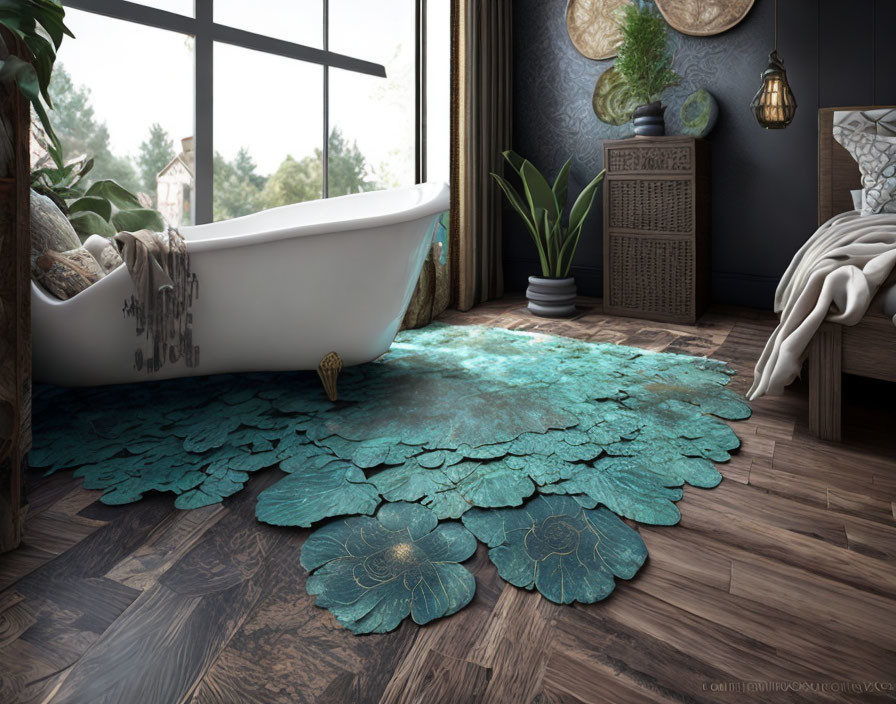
<point x="867" y="349"/>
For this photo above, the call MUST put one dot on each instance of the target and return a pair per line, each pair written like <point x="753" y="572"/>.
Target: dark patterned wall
<point x="764" y="182"/>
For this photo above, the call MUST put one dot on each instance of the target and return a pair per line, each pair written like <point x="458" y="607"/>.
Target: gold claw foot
<point x="328" y="371"/>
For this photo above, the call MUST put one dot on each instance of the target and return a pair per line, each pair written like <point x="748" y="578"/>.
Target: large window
<point x="213" y="109"/>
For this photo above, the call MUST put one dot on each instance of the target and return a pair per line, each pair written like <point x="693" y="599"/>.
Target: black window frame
<point x="206" y="32"/>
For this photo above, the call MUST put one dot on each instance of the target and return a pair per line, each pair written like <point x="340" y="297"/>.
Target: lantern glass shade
<point x="774" y="105"/>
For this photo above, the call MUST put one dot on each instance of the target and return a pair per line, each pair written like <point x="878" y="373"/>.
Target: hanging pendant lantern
<point x="774" y="105"/>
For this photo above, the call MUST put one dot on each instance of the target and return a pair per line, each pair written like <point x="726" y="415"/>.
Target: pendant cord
<point x="776" y="25"/>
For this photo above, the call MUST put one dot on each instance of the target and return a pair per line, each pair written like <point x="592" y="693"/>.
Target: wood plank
<point x="789" y="485"/>
<point x="165" y="546"/>
<point x="652" y="644"/>
<point x="812" y="647"/>
<point x="23" y="665"/>
<point x="837" y="466"/>
<point x="447" y="680"/>
<point x="731" y="498"/>
<point x="9" y="598"/>
<point x="590" y="680"/>
<point x="628" y="661"/>
<point x="836" y="606"/>
<point x="231" y="551"/>
<point x="60" y="635"/>
<point x="173" y="636"/>
<point x="45" y="490"/>
<point x="512" y="645"/>
<point x="96" y="554"/>
<point x="767" y="537"/>
<point x="871" y="538"/>
<point x="14" y="621"/>
<point x="55" y="533"/>
<point x="286" y="628"/>
<point x="862" y="505"/>
<point x="20" y="562"/>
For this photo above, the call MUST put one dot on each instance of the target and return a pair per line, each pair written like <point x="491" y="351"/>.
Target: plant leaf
<point x="50" y="193"/>
<point x="92" y="204"/>
<point x="87" y="223"/>
<point x="583" y="203"/>
<point x="44" y="56"/>
<point x="538" y="192"/>
<point x="118" y="195"/>
<point x="520" y="208"/>
<point x="515" y="160"/>
<point x="138" y="219"/>
<point x="542" y="234"/>
<point x="561" y="186"/>
<point x="15" y="69"/>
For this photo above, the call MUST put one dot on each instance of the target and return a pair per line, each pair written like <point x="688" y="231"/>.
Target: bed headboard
<point x="838" y="173"/>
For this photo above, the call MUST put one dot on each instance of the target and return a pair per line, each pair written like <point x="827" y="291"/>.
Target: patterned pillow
<point x="66" y="274"/>
<point x="50" y="229"/>
<point x="870" y="137"/>
<point x="104" y="251"/>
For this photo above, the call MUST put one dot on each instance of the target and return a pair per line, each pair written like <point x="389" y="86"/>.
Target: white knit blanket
<point x="833" y="277"/>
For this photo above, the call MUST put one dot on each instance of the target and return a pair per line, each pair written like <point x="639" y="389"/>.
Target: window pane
<point x="297" y="21"/>
<point x="181" y="7"/>
<point x="372" y="119"/>
<point x="268" y="131"/>
<point x="438" y="88"/>
<point x="129" y="114"/>
<point x="373" y="31"/>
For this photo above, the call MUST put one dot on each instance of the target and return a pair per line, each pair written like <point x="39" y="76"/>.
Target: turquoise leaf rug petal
<point x="567" y="552"/>
<point x="337" y="489"/>
<point x="371" y="573"/>
<point x="454" y="419"/>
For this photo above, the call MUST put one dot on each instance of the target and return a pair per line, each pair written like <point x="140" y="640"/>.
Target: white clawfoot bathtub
<point x="278" y="290"/>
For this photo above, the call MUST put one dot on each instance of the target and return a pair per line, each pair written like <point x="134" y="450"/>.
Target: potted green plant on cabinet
<point x="553" y="294"/>
<point x="645" y="64"/>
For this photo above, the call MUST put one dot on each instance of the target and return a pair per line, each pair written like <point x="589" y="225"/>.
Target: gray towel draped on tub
<point x="164" y="288"/>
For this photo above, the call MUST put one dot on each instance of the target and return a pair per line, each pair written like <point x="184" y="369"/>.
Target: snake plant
<point x="543" y="209"/>
<point x="31" y="22"/>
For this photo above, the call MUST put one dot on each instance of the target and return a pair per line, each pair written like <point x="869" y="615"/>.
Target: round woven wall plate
<point x="593" y="27"/>
<point x="612" y="101"/>
<point x="702" y="18"/>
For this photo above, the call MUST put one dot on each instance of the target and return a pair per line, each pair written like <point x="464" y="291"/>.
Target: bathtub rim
<point x="418" y="210"/>
<point x="438" y="196"/>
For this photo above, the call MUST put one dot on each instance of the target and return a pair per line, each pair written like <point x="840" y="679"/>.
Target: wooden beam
<point x="15" y="309"/>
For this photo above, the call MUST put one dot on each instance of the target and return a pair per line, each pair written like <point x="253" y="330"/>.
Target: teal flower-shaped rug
<point x="530" y="443"/>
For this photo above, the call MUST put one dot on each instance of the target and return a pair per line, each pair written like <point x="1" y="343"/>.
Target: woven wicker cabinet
<point x="656" y="228"/>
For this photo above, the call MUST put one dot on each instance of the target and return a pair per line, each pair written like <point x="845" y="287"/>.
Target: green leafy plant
<point x="29" y="21"/>
<point x="543" y="209"/>
<point x="104" y="208"/>
<point x="643" y="60"/>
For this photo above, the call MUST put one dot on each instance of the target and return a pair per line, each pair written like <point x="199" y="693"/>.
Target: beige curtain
<point x="481" y="105"/>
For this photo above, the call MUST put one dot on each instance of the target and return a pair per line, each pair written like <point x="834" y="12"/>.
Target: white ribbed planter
<point x="552" y="298"/>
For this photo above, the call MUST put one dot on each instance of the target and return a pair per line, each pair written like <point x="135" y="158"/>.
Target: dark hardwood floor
<point x="783" y="576"/>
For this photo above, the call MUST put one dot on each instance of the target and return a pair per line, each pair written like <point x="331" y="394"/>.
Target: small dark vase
<point x="551" y="298"/>
<point x="649" y="121"/>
